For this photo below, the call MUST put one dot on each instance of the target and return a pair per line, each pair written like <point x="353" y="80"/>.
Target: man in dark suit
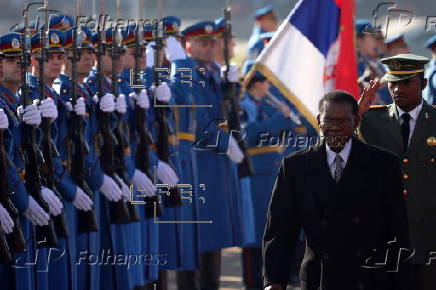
<point x="408" y="128"/>
<point x="348" y="198"/>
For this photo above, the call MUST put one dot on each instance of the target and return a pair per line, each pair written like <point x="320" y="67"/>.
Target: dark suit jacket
<point x="343" y="222"/>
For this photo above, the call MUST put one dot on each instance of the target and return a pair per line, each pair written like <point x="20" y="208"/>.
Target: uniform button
<point x="432" y="160"/>
<point x="324" y="223"/>
<point x="357" y="220"/>
<point x="405" y="160"/>
<point x="405" y="176"/>
<point x="405" y="192"/>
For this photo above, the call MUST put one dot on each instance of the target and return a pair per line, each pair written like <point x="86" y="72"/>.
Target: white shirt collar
<point x="345" y="153"/>
<point x="413" y="114"/>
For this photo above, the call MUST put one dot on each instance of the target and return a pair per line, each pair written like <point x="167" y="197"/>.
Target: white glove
<point x="107" y="103"/>
<point x="120" y="104"/>
<point x="54" y="203"/>
<point x="30" y="114"/>
<point x="232" y="75"/>
<point x="82" y="201"/>
<point x="149" y="53"/>
<point x="35" y="214"/>
<point x="163" y="92"/>
<point x="7" y="224"/>
<point x="110" y="189"/>
<point x="48" y="109"/>
<point x="125" y="190"/>
<point x="174" y="49"/>
<point x="142" y="183"/>
<point x="235" y="154"/>
<point x="4" y="122"/>
<point x="166" y="174"/>
<point x="141" y="99"/>
<point x="79" y="107"/>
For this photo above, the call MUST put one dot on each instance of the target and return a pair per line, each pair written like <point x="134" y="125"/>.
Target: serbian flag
<point x="311" y="54"/>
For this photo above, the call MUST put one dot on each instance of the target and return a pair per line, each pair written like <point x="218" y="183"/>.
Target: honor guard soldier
<point x="138" y="103"/>
<point x="265" y="21"/>
<point x="368" y="52"/>
<point x="170" y="234"/>
<point x="232" y="92"/>
<point x="47" y="59"/>
<point x="408" y="128"/>
<point x="185" y="126"/>
<point x="81" y="157"/>
<point x="263" y="40"/>
<point x="212" y="144"/>
<point x="429" y="93"/>
<point x="396" y="45"/>
<point x="31" y="213"/>
<point x="118" y="170"/>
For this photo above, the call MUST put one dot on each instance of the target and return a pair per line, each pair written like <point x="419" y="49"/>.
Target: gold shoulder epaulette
<point x="375" y="107"/>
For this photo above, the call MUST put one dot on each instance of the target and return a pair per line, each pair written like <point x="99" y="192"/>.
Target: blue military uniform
<point x="257" y="31"/>
<point x="211" y="147"/>
<point x="87" y="276"/>
<point x="363" y="62"/>
<point x="429" y="94"/>
<point x="185" y="126"/>
<point x="62" y="272"/>
<point x="242" y="203"/>
<point x="19" y="274"/>
<point x="258" y="46"/>
<point x="116" y="236"/>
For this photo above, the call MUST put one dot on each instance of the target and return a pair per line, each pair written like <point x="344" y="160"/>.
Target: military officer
<point x="30" y="211"/>
<point x="407" y="128"/>
<point x="51" y="104"/>
<point x="263" y="40"/>
<point x="185" y="126"/>
<point x="368" y="52"/>
<point x="174" y="245"/>
<point x="215" y="150"/>
<point x="243" y="201"/>
<point x="138" y="98"/>
<point x="117" y="236"/>
<point x="396" y="45"/>
<point x="429" y="93"/>
<point x="87" y="242"/>
<point x="265" y="21"/>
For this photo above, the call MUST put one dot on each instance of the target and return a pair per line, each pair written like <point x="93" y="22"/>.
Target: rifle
<point x="45" y="235"/>
<point x="15" y="239"/>
<point x="118" y="209"/>
<point x="231" y="105"/>
<point x="163" y="148"/>
<point x="5" y="255"/>
<point x="48" y="148"/>
<point x="141" y="159"/>
<point x="86" y="220"/>
<point x="122" y="142"/>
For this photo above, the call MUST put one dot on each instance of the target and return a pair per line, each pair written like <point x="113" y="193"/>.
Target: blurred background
<point x="193" y="10"/>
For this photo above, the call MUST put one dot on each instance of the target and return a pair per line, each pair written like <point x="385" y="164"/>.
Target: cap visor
<point x="396" y="78"/>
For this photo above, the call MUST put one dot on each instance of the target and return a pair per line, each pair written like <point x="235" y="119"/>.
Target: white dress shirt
<point x="413" y="117"/>
<point x="345" y="153"/>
